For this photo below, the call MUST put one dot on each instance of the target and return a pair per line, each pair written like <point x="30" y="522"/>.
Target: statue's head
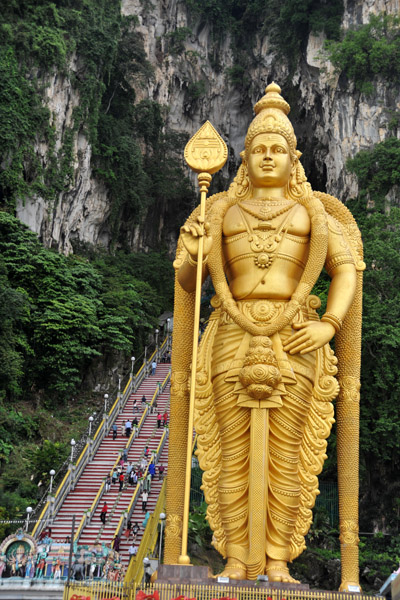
<point x="271" y="123"/>
<point x="271" y="117"/>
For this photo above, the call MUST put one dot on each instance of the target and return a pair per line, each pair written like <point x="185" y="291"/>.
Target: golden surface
<point x="265" y="374"/>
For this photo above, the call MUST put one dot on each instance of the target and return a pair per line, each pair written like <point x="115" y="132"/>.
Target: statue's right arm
<point x="190" y="236"/>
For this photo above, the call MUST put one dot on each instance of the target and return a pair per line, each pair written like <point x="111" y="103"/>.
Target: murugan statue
<point x="265" y="371"/>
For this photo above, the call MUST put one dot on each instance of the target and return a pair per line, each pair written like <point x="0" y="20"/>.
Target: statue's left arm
<point x="312" y="335"/>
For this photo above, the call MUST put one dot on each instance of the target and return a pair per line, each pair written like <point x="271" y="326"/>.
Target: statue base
<point x="182" y="575"/>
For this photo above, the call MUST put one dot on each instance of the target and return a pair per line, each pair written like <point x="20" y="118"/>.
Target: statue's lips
<point x="268" y="168"/>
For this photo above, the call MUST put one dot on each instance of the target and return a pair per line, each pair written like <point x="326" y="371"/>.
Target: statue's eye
<point x="257" y="150"/>
<point x="280" y="150"/>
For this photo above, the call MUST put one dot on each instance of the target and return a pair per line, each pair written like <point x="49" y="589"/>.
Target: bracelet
<point x="333" y="320"/>
<point x="192" y="262"/>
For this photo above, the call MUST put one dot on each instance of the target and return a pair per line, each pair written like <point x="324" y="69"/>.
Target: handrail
<point x="89" y="514"/>
<point x="128" y="512"/>
<point x="135" y="568"/>
<point x="91" y="446"/>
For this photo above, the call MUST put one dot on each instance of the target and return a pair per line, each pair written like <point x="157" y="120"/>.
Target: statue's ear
<point x="243" y="156"/>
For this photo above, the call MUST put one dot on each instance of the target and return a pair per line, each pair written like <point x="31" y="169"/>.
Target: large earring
<point x="295" y="187"/>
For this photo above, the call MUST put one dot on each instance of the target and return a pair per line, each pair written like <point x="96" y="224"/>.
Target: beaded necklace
<point x="264" y="213"/>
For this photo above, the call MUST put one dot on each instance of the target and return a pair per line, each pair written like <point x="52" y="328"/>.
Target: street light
<point x="157" y="331"/>
<point x="105" y="402"/>
<point x="73" y="442"/>
<point x="28" y="514"/>
<point x="168" y="320"/>
<point x="91" y="419"/>
<point x="52" y="473"/>
<point x="133" y="364"/>
<point x="162" y="517"/>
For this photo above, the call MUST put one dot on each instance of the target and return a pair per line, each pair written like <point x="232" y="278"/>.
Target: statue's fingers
<point x="295" y="338"/>
<point x="194" y="231"/>
<point x="207" y="227"/>
<point x="308" y="349"/>
<point x="304" y="346"/>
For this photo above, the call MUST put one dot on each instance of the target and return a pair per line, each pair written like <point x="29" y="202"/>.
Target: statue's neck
<point x="268" y="192"/>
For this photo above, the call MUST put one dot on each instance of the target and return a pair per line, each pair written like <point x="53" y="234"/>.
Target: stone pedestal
<point x="192" y="575"/>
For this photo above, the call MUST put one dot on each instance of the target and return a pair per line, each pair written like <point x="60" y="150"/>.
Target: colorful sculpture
<point x="265" y="371"/>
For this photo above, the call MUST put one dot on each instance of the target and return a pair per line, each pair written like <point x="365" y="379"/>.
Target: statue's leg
<point x="234" y="424"/>
<point x="285" y="436"/>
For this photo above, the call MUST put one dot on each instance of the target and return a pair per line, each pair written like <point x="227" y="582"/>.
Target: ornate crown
<point x="271" y="117"/>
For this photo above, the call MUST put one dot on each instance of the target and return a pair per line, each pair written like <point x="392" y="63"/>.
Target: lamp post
<point x="91" y="419"/>
<point x="168" y="334"/>
<point x="157" y="331"/>
<point x="72" y="449"/>
<point x="162" y="518"/>
<point x="133" y="364"/>
<point x="52" y="473"/>
<point x="105" y="403"/>
<point x="28" y="514"/>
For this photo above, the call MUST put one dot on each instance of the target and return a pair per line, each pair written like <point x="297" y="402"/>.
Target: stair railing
<point x="131" y="506"/>
<point x="88" y="515"/>
<point x="148" y="542"/>
<point x="73" y="473"/>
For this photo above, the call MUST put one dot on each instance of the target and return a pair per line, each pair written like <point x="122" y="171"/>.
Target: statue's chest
<point x="244" y="232"/>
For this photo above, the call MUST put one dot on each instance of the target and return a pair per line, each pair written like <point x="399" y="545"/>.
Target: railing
<point x="90" y="448"/>
<point x="110" y="589"/>
<point x="135" y="569"/>
<point x="131" y="506"/>
<point x="88" y="515"/>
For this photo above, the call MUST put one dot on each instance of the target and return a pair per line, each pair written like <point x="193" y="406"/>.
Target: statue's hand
<point x="191" y="234"/>
<point x="311" y="335"/>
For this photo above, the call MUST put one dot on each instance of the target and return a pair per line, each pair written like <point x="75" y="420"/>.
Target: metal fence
<point x="111" y="589"/>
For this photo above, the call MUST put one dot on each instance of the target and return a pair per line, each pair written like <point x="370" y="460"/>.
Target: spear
<point x="205" y="153"/>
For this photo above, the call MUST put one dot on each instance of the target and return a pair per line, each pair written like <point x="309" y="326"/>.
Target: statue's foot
<point x="277" y="570"/>
<point x="234" y="569"/>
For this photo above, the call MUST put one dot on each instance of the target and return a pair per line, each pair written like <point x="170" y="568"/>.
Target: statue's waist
<point x="265" y="311"/>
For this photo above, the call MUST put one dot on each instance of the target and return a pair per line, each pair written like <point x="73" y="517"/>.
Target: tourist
<point x="152" y="470"/>
<point x="161" y="470"/>
<point x="153" y="367"/>
<point x="133" y="550"/>
<point x="107" y="484"/>
<point x="145" y="497"/>
<point x="165" y="418"/>
<point x="121" y="482"/>
<point x="116" y="542"/>
<point x="114" y="431"/>
<point x="128" y="428"/>
<point x="103" y="513"/>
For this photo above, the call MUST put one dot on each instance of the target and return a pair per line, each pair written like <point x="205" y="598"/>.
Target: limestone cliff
<point x="332" y="120"/>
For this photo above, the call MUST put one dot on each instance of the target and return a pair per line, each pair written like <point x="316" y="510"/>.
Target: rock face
<point x="332" y="121"/>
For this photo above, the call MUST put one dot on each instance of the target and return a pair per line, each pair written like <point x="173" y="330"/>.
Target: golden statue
<point x="265" y="373"/>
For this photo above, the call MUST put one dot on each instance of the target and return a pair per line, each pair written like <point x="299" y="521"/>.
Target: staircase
<point x="80" y="499"/>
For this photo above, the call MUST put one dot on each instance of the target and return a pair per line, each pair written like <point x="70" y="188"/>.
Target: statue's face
<point x="268" y="161"/>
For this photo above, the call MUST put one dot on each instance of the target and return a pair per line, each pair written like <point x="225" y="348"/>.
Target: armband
<point x="333" y="320"/>
<point x="192" y="262"/>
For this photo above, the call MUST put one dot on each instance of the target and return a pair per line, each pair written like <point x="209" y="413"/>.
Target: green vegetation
<point x="369" y="51"/>
<point x="137" y="158"/>
<point x="58" y="316"/>
<point x="177" y="38"/>
<point x="378" y="171"/>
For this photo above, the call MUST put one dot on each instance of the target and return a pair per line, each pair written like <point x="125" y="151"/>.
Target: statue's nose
<point x="267" y="155"/>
